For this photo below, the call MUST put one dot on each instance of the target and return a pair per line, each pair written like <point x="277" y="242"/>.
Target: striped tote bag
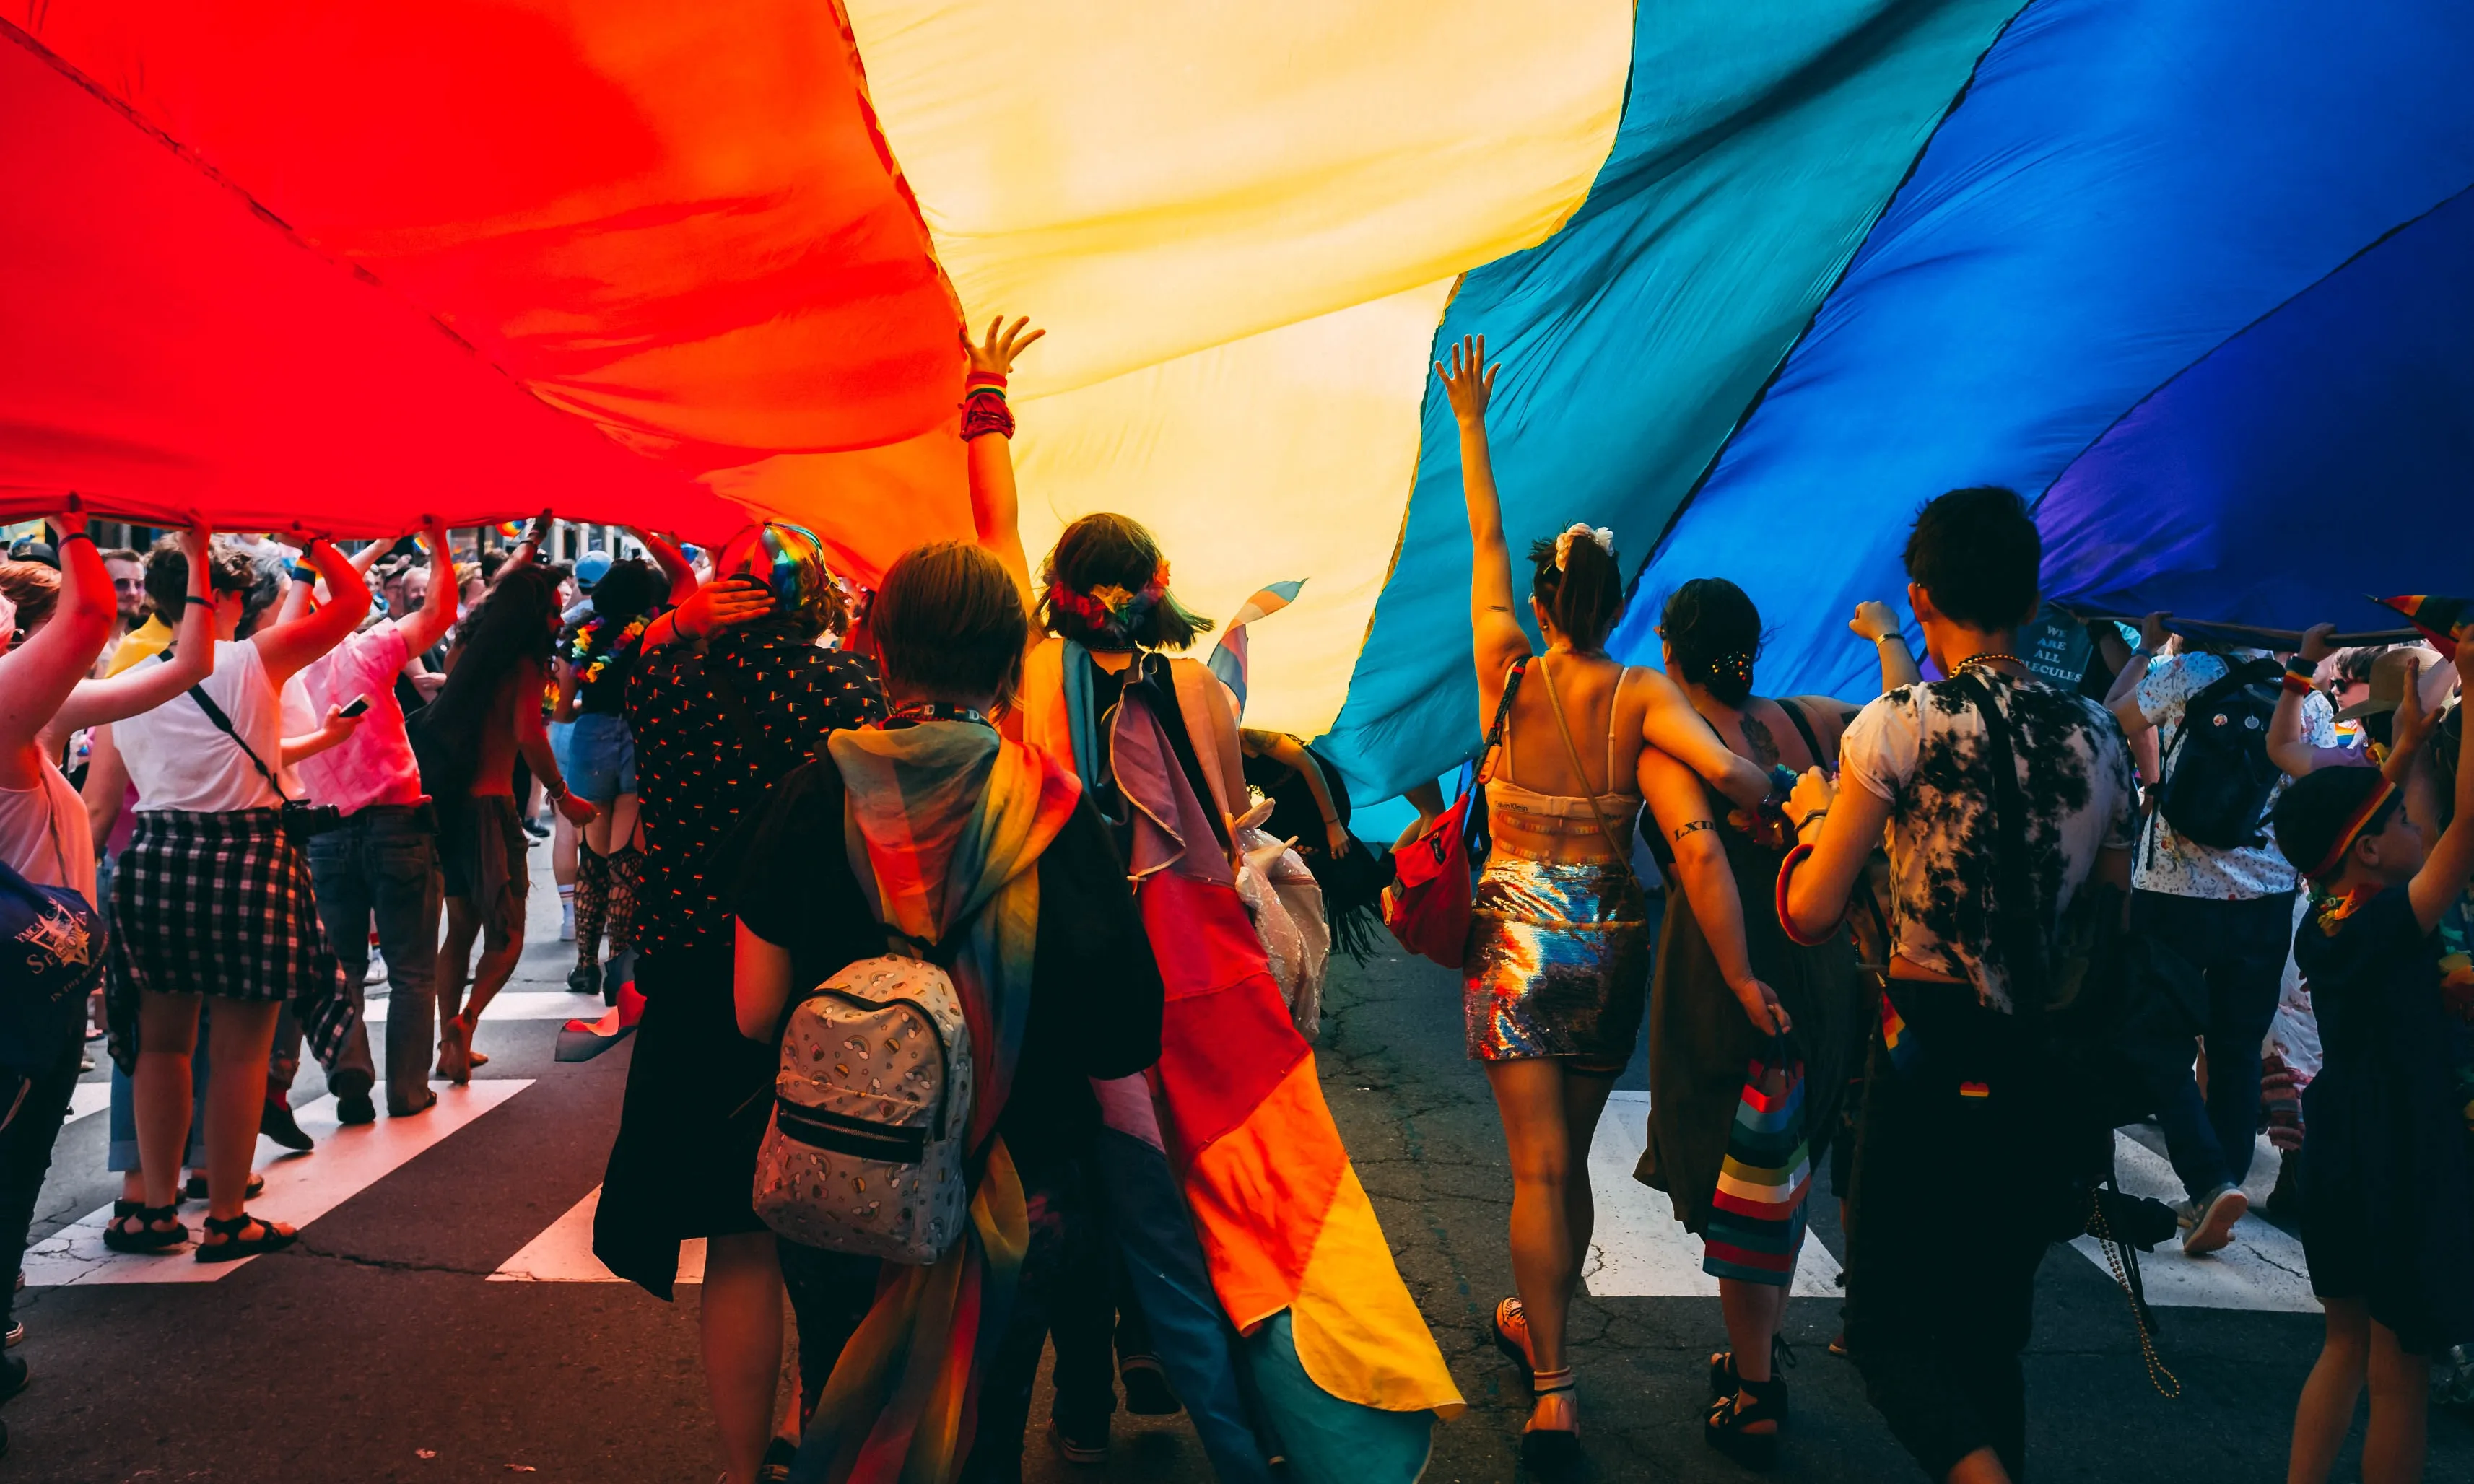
<point x="1758" y="1218"/>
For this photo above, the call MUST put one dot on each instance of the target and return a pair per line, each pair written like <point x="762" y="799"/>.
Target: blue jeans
<point x="382" y="865"/>
<point x="2205" y="969"/>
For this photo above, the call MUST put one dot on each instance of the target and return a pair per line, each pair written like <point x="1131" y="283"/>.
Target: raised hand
<point x="71" y="521"/>
<point x="2315" y="647"/>
<point x="1874" y="621"/>
<point x="1469" y="382"/>
<point x="995" y="355"/>
<point x="2153" y="630"/>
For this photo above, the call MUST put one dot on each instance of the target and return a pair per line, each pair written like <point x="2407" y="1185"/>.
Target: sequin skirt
<point x="1558" y="960"/>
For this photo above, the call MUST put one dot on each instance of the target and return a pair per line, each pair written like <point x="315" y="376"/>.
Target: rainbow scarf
<point x="943" y="821"/>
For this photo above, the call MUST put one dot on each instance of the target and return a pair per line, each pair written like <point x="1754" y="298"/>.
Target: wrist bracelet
<point x="192" y="598"/>
<point x="1893" y="634"/>
<point x="77" y="536"/>
<point x="1818" y="814"/>
<point x="984" y="411"/>
<point x="1786" y="922"/>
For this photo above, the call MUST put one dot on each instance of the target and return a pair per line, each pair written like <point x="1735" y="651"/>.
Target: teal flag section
<point x="1758" y="144"/>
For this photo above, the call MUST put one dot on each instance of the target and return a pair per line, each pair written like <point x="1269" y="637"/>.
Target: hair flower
<point x="1604" y="538"/>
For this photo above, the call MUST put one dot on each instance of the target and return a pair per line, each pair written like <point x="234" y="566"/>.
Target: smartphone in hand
<point x="356" y="706"/>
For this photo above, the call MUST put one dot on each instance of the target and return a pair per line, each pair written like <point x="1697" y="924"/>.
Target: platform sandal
<point x="1552" y="1452"/>
<point x="1723" y="1380"/>
<point x="150" y="1236"/>
<point x="234" y="1247"/>
<point x="1510" y="1328"/>
<point x="1756" y="1401"/>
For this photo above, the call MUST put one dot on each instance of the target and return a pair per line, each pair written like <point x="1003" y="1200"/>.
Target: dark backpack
<point x="2218" y="777"/>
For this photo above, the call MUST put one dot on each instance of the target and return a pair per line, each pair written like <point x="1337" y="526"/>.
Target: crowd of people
<point x="1974" y="924"/>
<point x="996" y="843"/>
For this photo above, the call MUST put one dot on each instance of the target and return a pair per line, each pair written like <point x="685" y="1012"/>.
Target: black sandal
<point x="1551" y="1452"/>
<point x="1762" y="1402"/>
<point x="233" y="1247"/>
<point x="149" y="1237"/>
<point x="1723" y="1380"/>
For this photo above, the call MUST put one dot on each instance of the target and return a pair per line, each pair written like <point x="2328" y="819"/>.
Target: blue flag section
<point x="2125" y="188"/>
<point x="1755" y="149"/>
<point x="2347" y="413"/>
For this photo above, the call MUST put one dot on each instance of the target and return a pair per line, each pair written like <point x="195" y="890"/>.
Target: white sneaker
<point x="2211" y="1223"/>
<point x="378" y="972"/>
<point x="566" y="922"/>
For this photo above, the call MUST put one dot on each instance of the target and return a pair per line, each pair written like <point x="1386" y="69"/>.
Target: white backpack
<point x="872" y="1107"/>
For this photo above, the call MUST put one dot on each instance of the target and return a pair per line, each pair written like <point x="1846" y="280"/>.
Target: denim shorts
<point x="600" y="758"/>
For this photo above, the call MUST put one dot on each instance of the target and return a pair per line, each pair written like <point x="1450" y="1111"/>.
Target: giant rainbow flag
<point x="1763" y="278"/>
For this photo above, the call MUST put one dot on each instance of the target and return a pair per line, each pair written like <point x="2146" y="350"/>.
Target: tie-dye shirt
<point x="1922" y="748"/>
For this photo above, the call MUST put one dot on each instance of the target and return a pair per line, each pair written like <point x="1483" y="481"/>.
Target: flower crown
<point x="1109" y="609"/>
<point x="1604" y="538"/>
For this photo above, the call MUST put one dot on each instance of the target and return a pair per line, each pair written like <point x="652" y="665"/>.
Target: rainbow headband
<point x="1109" y="608"/>
<point x="2372" y="807"/>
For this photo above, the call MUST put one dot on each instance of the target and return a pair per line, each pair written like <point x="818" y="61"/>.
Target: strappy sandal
<point x="150" y="1236"/>
<point x="1507" y="1314"/>
<point x="1723" y="1380"/>
<point x="1551" y="1452"/>
<point x="1756" y="1401"/>
<point x="233" y="1247"/>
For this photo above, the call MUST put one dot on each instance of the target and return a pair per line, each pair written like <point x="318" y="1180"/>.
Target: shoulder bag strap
<point x="1498" y="730"/>
<point x="223" y="725"/>
<point x="1804" y="727"/>
<point x="1565" y="730"/>
<point x="2025" y="955"/>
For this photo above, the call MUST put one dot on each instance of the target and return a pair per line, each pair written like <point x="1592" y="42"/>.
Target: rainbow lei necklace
<point x="591" y="657"/>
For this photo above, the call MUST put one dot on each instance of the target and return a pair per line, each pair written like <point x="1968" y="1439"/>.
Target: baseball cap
<point x="591" y="567"/>
<point x="33" y="548"/>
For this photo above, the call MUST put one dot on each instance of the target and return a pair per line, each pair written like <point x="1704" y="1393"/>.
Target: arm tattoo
<point x="1757" y="737"/>
<point x="1690" y="826"/>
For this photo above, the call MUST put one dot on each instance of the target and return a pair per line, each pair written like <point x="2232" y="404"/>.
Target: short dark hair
<point x="120" y="554"/>
<point x="167" y="575"/>
<point x="1714" y="632"/>
<point x="1976" y="552"/>
<point x="1584" y="596"/>
<point x="1107" y="589"/>
<point x="628" y="590"/>
<point x="950" y="620"/>
<point x="2316" y="808"/>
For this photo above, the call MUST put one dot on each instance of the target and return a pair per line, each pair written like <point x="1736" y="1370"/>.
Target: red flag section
<point x="676" y="223"/>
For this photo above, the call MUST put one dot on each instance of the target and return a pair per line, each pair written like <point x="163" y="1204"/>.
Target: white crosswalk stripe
<point x="563" y="1253"/>
<point x="1639" y="1249"/>
<point x="517" y="1005"/>
<point x="299" y="1188"/>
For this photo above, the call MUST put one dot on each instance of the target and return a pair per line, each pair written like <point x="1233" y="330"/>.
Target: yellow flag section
<point x="1239" y="225"/>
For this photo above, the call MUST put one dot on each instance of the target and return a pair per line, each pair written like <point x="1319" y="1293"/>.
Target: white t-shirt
<point x="179" y="760"/>
<point x="43" y="834"/>
<point x="2175" y="867"/>
<point x="1922" y="748"/>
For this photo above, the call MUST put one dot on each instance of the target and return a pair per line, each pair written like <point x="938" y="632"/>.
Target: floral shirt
<point x="697" y="775"/>
<point x="1923" y="748"/>
<point x="2175" y="867"/>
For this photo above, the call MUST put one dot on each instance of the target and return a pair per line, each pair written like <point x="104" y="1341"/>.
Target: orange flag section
<point x="1283" y="1221"/>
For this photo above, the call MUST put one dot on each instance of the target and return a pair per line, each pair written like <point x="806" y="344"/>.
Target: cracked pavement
<point x="375" y="1350"/>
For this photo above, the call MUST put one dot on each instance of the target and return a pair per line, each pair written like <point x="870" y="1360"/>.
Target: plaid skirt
<point x="221" y="904"/>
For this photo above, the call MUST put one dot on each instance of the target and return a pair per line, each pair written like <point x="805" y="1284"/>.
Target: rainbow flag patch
<point x="1973" y="1090"/>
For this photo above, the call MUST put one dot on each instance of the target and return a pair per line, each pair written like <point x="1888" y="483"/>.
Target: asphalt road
<point x="411" y="1336"/>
